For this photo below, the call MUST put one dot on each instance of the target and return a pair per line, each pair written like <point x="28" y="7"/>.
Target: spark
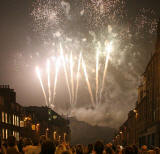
<point x="56" y="77"/>
<point x="79" y="64"/>
<point x="65" y="72"/>
<point x="49" y="80"/>
<point x="71" y="71"/>
<point x="88" y="83"/>
<point x="97" y="68"/>
<point x="108" y="51"/>
<point x="41" y="83"/>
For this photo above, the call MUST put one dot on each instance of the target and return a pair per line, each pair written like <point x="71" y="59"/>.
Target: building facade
<point x="47" y="122"/>
<point x="10" y="113"/>
<point x="143" y="125"/>
<point x="22" y="121"/>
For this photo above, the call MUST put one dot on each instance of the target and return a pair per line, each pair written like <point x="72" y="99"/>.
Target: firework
<point x="56" y="77"/>
<point x="49" y="80"/>
<point x="65" y="72"/>
<point x="46" y="14"/>
<point x="97" y="71"/>
<point x="72" y="82"/>
<point x="88" y="83"/>
<point x="58" y="20"/>
<point x="41" y="83"/>
<point x="108" y="50"/>
<point x="78" y="70"/>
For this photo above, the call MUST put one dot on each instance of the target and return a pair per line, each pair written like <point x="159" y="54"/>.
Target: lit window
<point x="21" y="123"/>
<point x="13" y="120"/>
<point x="15" y="117"/>
<point x="2" y="116"/>
<point x="13" y="133"/>
<point x="6" y="133"/>
<point x="3" y="135"/>
<point x="17" y="136"/>
<point x="17" y="121"/>
<point x="6" y="120"/>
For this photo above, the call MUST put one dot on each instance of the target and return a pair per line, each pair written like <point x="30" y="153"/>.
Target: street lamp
<point x="54" y="135"/>
<point x="136" y="115"/>
<point x="121" y="137"/>
<point x="37" y="128"/>
<point x="47" y="129"/>
<point x="136" y="112"/>
<point x="59" y="138"/>
<point x="65" y="137"/>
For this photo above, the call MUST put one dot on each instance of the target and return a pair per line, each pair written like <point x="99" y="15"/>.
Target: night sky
<point x="25" y="43"/>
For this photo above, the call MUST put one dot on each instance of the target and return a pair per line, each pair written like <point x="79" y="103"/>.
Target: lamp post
<point x="65" y="137"/>
<point x="121" y="137"/>
<point x="37" y="128"/>
<point x="54" y="135"/>
<point x="59" y="138"/>
<point x="47" y="132"/>
<point x="136" y="117"/>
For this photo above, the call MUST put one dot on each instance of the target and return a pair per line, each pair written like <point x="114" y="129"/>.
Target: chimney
<point x="158" y="37"/>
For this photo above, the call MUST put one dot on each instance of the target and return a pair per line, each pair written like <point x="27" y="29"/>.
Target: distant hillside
<point x="83" y="133"/>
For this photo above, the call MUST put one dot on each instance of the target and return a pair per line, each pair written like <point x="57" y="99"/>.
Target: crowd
<point x="41" y="145"/>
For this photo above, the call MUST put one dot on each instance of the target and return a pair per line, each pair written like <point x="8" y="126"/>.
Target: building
<point x="10" y="113"/>
<point x="148" y="106"/>
<point x="127" y="133"/>
<point x="47" y="122"/>
<point x="143" y="125"/>
<point x="22" y="121"/>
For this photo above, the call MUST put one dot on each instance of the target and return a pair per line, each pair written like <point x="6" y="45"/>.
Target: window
<point x="2" y="116"/>
<point x="13" y="133"/>
<point x="6" y="133"/>
<point x="17" y="121"/>
<point x="15" y="117"/>
<point x="3" y="135"/>
<point x="6" y="120"/>
<point x="21" y="123"/>
<point x="13" y="120"/>
<point x="17" y="136"/>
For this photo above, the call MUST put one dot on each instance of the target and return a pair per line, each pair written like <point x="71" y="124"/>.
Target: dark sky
<point x="19" y="42"/>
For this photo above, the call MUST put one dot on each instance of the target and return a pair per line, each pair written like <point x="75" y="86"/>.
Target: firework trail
<point x="88" y="83"/>
<point x="51" y="22"/>
<point x="71" y="71"/>
<point x="65" y="72"/>
<point x="77" y="84"/>
<point x="108" y="50"/>
<point x="97" y="68"/>
<point x="56" y="77"/>
<point x="41" y="83"/>
<point x="49" y="80"/>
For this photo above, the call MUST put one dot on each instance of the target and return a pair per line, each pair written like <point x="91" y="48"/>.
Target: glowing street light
<point x="65" y="137"/>
<point x="54" y="135"/>
<point x="37" y="128"/>
<point x="59" y="138"/>
<point x="47" y="129"/>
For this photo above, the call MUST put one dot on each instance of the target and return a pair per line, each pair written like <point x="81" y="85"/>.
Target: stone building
<point x="10" y="113"/>
<point x="22" y="121"/>
<point x="144" y="128"/>
<point x="47" y="122"/>
<point x="127" y="133"/>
